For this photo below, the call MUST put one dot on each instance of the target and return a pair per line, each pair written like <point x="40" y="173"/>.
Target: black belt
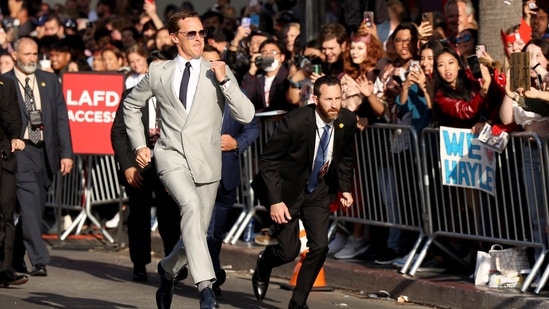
<point x="40" y="144"/>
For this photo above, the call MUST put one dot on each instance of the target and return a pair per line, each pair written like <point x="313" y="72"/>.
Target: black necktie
<point x="320" y="159"/>
<point x="34" y="134"/>
<point x="185" y="84"/>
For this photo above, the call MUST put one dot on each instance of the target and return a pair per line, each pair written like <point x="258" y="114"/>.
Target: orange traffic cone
<point x="320" y="282"/>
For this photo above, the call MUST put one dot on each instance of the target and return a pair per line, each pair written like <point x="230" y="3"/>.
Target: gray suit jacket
<point x="194" y="136"/>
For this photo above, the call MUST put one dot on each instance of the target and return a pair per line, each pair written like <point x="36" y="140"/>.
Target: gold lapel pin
<point x="43" y="84"/>
<point x="1" y="83"/>
<point x="341" y="125"/>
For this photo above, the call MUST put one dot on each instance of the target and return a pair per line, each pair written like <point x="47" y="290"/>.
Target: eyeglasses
<point x="463" y="39"/>
<point x="192" y="34"/>
<point x="269" y="53"/>
<point x="402" y="41"/>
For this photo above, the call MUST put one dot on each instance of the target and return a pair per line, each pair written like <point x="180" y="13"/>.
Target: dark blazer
<point x="245" y="135"/>
<point x="120" y="142"/>
<point x="287" y="158"/>
<point x="57" y="135"/>
<point x="10" y="123"/>
<point x="254" y="88"/>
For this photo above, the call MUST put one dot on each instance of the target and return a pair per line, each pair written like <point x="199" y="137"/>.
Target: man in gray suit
<point x="188" y="152"/>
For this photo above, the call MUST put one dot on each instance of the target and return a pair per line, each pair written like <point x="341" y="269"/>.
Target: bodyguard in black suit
<point x="292" y="187"/>
<point x="140" y="184"/>
<point x="49" y="145"/>
<point x="10" y="129"/>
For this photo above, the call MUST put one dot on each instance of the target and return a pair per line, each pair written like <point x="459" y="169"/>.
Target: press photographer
<point x="266" y="82"/>
<point x="242" y="48"/>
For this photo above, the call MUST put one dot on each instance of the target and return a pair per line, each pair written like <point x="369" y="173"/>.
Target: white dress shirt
<point x="193" y="79"/>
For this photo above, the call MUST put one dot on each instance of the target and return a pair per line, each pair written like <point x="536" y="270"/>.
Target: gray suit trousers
<point x="196" y="202"/>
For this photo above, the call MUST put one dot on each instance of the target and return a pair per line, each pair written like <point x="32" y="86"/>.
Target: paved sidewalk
<point x="441" y="290"/>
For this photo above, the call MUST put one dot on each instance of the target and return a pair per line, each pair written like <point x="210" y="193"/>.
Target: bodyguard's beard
<point x="27" y="68"/>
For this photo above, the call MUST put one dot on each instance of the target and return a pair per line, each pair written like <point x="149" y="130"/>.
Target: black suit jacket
<point x="287" y="158"/>
<point x="120" y="141"/>
<point x="57" y="134"/>
<point x="10" y="123"/>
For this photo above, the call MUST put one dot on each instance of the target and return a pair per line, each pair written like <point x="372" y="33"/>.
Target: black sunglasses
<point x="192" y="34"/>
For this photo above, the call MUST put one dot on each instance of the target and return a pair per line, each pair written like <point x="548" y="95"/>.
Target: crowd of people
<point x="388" y="70"/>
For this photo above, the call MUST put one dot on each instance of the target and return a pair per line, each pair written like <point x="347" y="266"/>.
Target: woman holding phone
<point x="416" y="94"/>
<point x="459" y="99"/>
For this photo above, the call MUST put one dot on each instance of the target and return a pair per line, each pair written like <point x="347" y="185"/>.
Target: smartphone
<point x="150" y="1"/>
<point x="480" y="50"/>
<point x="253" y="2"/>
<point x="254" y="20"/>
<point x="474" y="65"/>
<point x="368" y="18"/>
<point x="427" y="17"/>
<point x="317" y="68"/>
<point x="533" y="6"/>
<point x="245" y="22"/>
<point x="414" y="66"/>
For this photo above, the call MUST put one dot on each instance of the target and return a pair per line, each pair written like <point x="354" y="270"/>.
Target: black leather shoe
<point x="221" y="276"/>
<point x="183" y="274"/>
<point x="20" y="267"/>
<point x="207" y="299"/>
<point x="261" y="277"/>
<point x="39" y="270"/>
<point x="140" y="273"/>
<point x="9" y="277"/>
<point x="217" y="291"/>
<point x="294" y="305"/>
<point x="164" y="294"/>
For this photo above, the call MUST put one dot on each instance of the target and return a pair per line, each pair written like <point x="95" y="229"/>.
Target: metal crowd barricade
<point x="505" y="218"/>
<point x="249" y="163"/>
<point x="93" y="181"/>
<point x="388" y="181"/>
<point x="66" y="192"/>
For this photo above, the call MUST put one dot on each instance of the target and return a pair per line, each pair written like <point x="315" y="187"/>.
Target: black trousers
<point x="7" y="227"/>
<point x="314" y="211"/>
<point x="140" y="201"/>
<point x="224" y="201"/>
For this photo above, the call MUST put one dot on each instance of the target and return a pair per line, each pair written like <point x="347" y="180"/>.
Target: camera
<point x="263" y="62"/>
<point x="306" y="62"/>
<point x="35" y="118"/>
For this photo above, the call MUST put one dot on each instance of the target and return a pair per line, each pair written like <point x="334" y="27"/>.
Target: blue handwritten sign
<point x="465" y="162"/>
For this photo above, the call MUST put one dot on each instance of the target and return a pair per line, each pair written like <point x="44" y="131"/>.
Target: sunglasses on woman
<point x="463" y="39"/>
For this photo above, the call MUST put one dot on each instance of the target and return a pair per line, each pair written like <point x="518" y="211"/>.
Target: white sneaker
<point x="112" y="223"/>
<point x="339" y="241"/>
<point x="66" y="222"/>
<point x="353" y="248"/>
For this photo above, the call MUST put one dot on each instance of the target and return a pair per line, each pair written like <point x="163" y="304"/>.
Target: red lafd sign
<point x="92" y="100"/>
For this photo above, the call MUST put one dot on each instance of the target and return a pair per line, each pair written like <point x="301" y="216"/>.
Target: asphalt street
<point x="102" y="279"/>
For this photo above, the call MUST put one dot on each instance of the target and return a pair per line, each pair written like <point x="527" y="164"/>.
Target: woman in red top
<point x="459" y="99"/>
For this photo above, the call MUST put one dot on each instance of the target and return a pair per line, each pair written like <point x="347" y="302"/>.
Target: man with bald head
<point x="46" y="133"/>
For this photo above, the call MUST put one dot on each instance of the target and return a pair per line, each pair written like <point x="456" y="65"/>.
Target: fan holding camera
<point x="267" y="87"/>
<point x="299" y="76"/>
